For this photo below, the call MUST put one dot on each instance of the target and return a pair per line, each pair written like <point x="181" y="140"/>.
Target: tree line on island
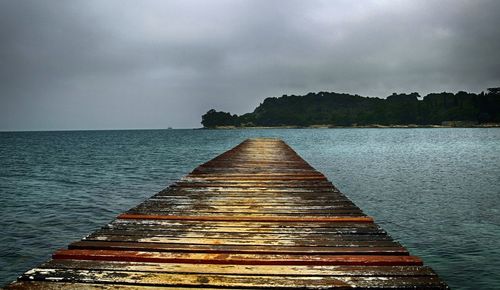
<point x="340" y="109"/>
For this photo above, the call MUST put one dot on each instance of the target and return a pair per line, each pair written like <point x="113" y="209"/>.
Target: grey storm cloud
<point x="153" y="64"/>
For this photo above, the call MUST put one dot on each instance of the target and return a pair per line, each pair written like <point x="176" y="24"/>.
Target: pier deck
<point x="257" y="216"/>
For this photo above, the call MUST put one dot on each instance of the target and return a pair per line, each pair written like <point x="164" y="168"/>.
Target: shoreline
<point x="373" y="126"/>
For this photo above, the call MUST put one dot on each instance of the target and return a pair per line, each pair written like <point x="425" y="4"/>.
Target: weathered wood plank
<point x="218" y="229"/>
<point x="245" y="226"/>
<point x="52" y="285"/>
<point x="338" y="213"/>
<point x="236" y="218"/>
<point x="229" y="241"/>
<point x="275" y="270"/>
<point x="239" y="259"/>
<point x="313" y="238"/>
<point x="260" y="281"/>
<point x="159" y="204"/>
<point x="394" y="249"/>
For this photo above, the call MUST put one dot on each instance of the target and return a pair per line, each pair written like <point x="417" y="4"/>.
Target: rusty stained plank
<point x="239" y="259"/>
<point x="257" y="217"/>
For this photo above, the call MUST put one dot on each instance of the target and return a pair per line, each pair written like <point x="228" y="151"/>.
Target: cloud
<point x="152" y="64"/>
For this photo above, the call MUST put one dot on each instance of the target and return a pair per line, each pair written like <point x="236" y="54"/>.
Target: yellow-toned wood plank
<point x="248" y="281"/>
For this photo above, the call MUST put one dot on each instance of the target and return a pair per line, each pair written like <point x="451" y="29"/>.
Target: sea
<point x="435" y="190"/>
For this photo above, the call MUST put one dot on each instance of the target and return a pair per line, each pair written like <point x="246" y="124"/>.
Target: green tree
<point x="213" y="118"/>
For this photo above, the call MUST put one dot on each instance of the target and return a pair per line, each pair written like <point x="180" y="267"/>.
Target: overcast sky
<point x="153" y="64"/>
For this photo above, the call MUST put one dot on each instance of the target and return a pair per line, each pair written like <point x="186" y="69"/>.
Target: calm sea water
<point x="437" y="191"/>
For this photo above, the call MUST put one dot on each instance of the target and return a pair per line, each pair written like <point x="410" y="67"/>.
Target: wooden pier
<point x="255" y="217"/>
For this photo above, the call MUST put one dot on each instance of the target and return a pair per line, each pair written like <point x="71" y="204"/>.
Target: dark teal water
<point x="435" y="190"/>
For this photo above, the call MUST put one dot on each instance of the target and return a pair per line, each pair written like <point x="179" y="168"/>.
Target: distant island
<point x="329" y="109"/>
